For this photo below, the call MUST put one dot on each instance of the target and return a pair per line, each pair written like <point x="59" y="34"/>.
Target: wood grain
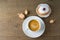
<point x="11" y="24"/>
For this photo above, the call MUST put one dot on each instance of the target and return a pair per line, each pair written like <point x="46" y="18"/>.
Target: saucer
<point x="29" y="33"/>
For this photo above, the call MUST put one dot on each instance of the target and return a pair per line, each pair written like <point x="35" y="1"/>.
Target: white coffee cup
<point x="33" y="34"/>
<point x="39" y="23"/>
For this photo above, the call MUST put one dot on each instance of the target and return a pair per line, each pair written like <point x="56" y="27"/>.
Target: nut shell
<point x="21" y="15"/>
<point x="26" y="11"/>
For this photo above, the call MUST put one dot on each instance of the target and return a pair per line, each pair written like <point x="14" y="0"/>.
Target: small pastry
<point x="43" y="10"/>
<point x="21" y="15"/>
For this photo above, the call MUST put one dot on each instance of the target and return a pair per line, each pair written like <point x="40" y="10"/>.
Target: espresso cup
<point x="34" y="25"/>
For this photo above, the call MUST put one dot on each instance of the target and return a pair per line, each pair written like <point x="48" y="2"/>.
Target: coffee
<point x="34" y="25"/>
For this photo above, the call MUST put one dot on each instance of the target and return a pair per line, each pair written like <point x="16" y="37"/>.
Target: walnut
<point x="52" y="21"/>
<point x="26" y="11"/>
<point x="21" y="15"/>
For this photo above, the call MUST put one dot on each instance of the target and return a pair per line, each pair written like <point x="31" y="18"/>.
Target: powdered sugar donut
<point x="43" y="10"/>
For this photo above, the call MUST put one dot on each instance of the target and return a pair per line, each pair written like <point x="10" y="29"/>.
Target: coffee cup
<point x="34" y="25"/>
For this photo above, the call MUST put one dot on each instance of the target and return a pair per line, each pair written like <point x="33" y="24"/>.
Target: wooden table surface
<point x="11" y="24"/>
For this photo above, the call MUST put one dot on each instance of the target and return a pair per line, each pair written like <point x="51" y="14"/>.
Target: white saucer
<point x="31" y="33"/>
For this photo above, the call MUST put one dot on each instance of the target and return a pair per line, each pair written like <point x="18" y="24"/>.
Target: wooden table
<point x="11" y="24"/>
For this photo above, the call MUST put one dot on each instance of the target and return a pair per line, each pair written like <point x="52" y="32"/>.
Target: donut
<point x="43" y="9"/>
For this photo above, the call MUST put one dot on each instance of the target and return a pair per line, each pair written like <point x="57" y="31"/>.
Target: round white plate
<point x="31" y="33"/>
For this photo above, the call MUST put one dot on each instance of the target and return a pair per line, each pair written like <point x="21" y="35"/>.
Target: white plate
<point x="31" y="33"/>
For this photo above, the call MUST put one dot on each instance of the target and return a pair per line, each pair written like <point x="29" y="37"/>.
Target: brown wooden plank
<point x="11" y="25"/>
